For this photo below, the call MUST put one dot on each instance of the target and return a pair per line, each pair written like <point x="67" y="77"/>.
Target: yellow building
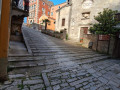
<point x="50" y="25"/>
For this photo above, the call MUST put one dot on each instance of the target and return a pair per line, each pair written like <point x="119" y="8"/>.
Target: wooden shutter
<point x="63" y="22"/>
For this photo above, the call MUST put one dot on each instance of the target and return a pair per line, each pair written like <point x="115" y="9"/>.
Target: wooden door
<point x="116" y="52"/>
<point x="83" y="31"/>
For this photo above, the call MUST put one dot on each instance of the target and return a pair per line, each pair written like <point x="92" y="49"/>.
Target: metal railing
<point x="21" y="4"/>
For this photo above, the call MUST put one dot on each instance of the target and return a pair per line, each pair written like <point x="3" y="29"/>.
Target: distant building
<point x="37" y="8"/>
<point x="55" y="8"/>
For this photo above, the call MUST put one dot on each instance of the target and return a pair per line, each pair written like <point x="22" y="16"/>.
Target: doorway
<point x="83" y="31"/>
<point x="116" y="52"/>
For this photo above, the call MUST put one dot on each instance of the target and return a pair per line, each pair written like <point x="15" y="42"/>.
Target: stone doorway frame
<point x="86" y="26"/>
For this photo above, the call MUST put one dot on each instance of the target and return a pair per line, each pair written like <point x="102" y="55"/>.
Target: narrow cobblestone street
<point x="60" y="65"/>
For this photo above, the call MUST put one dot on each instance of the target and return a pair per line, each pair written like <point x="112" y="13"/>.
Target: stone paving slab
<point x="81" y="78"/>
<point x="60" y="65"/>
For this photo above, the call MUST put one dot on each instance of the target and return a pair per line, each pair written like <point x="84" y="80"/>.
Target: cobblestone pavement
<point x="60" y="65"/>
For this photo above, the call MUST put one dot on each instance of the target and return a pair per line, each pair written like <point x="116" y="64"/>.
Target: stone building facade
<point x="62" y="18"/>
<point x="81" y="15"/>
<point x="55" y="8"/>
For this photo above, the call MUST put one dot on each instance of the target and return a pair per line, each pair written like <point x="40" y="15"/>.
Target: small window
<point x="34" y="6"/>
<point x="43" y="3"/>
<point x="59" y="7"/>
<point x="63" y="22"/>
<point x="86" y="15"/>
<point x="117" y="17"/>
<point x="51" y="13"/>
<point x="43" y="10"/>
<point x="48" y="13"/>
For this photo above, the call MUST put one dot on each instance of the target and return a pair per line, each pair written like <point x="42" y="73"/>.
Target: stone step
<point x="59" y="50"/>
<point x="53" y="67"/>
<point x="24" y="59"/>
<point x="19" y="55"/>
<point x="60" y="53"/>
<point x="79" y="60"/>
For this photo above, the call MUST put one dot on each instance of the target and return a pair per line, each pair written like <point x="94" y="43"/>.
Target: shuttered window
<point x="63" y="22"/>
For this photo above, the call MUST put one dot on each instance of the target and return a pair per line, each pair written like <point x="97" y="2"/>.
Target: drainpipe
<point x="69" y="20"/>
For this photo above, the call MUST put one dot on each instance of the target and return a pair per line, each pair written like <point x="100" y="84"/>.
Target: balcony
<point x="20" y="8"/>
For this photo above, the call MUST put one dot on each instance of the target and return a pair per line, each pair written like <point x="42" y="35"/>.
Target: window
<point x="48" y="13"/>
<point x="34" y="13"/>
<point x="63" y="22"/>
<point x="117" y="17"/>
<point x="31" y="22"/>
<point x="43" y="3"/>
<point x="51" y="13"/>
<point x="86" y="15"/>
<point x="59" y="7"/>
<point x="43" y="10"/>
<point x="34" y="6"/>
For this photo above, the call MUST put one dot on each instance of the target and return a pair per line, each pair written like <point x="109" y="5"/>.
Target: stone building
<point x="62" y="18"/>
<point x="81" y="15"/>
<point x="55" y="8"/>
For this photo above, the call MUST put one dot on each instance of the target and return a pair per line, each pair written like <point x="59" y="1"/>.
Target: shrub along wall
<point x="60" y="35"/>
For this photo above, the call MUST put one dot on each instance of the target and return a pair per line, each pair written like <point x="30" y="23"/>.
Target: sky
<point x="55" y="3"/>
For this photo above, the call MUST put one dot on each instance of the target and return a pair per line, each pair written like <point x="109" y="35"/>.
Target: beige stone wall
<point x="90" y="38"/>
<point x="77" y="10"/>
<point x="62" y="13"/>
<point x="102" y="46"/>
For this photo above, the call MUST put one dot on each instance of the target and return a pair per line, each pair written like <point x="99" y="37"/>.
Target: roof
<point x="60" y="4"/>
<point x="62" y="7"/>
<point x="48" y="2"/>
<point x="43" y="17"/>
<point x="52" y="18"/>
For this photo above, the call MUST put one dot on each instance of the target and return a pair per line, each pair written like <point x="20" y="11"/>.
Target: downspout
<point x="69" y="20"/>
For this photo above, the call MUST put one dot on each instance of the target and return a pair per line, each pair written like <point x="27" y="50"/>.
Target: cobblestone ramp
<point x="59" y="65"/>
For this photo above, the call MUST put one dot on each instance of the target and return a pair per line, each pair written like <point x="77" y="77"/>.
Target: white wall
<point x="62" y="14"/>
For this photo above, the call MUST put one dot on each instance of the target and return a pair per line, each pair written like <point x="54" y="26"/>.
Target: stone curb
<point x="46" y="81"/>
<point x="26" y="43"/>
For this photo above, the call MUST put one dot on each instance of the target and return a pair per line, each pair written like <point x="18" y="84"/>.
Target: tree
<point x="106" y="23"/>
<point x="46" y="21"/>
